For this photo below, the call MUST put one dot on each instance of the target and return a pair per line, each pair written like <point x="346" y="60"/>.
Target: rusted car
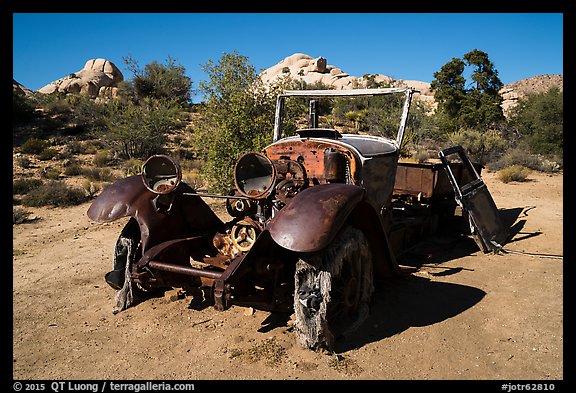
<point x="311" y="220"/>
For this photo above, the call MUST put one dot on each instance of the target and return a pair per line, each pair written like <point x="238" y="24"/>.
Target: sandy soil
<point x="461" y="315"/>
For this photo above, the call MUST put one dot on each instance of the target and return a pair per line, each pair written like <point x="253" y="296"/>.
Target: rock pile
<point x="98" y="79"/>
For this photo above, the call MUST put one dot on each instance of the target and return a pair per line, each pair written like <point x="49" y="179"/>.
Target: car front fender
<point x="314" y="216"/>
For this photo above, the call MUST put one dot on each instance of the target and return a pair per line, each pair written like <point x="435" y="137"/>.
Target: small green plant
<point x="20" y="215"/>
<point x="54" y="193"/>
<point x="17" y="252"/>
<point x="23" y="186"/>
<point x="514" y="173"/>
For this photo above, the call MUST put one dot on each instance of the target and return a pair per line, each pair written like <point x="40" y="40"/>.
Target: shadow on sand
<point x="410" y="302"/>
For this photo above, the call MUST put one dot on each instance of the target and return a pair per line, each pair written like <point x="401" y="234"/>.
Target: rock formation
<point x="21" y="90"/>
<point x="98" y="79"/>
<point x="302" y="67"/>
<point x="512" y="92"/>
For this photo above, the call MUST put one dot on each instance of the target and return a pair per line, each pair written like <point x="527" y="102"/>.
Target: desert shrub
<point x="98" y="174"/>
<point x="90" y="148"/>
<point x="33" y="146"/>
<point x="101" y="159"/>
<point x="481" y="146"/>
<point x="55" y="194"/>
<point x="22" y="109"/>
<point x="47" y="154"/>
<point x="23" y="186"/>
<point x="513" y="173"/>
<point x="523" y="157"/>
<point x="73" y="170"/>
<point x="91" y="188"/>
<point x="132" y="166"/>
<point x="50" y="173"/>
<point x="74" y="147"/>
<point x="19" y="215"/>
<point x="24" y="162"/>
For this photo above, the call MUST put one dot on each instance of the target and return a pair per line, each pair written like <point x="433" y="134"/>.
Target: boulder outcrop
<point x="98" y="79"/>
<point x="305" y="68"/>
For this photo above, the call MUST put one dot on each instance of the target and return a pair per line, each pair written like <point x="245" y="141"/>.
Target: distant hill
<point x="512" y="92"/>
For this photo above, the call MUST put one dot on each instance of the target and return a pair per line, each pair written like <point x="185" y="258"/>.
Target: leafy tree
<point x="539" y="119"/>
<point x="474" y="106"/>
<point x="160" y="81"/>
<point x="238" y="117"/>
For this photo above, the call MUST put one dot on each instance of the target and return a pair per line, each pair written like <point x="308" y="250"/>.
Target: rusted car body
<point x="312" y="216"/>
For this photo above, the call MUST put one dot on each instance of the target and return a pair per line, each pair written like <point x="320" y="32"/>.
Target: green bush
<point x="55" y="194"/>
<point x="539" y="118"/>
<point x="132" y="166"/>
<point x="47" y="154"/>
<point x="101" y="159"/>
<point x="50" y="173"/>
<point x="481" y="146"/>
<point x="22" y="109"/>
<point x="24" y="162"/>
<point x="98" y="174"/>
<point x="73" y="170"/>
<point x="23" y="186"/>
<point x="523" y="157"/>
<point x="74" y="147"/>
<point x="33" y="146"/>
<point x="513" y="173"/>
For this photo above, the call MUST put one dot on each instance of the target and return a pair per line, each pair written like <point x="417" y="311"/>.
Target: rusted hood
<point x="314" y="216"/>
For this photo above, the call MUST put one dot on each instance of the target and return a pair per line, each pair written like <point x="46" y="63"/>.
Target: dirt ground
<point x="461" y="315"/>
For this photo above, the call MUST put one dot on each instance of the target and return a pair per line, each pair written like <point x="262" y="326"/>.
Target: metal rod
<point x="215" y="196"/>
<point x="188" y="271"/>
<point x="350" y="93"/>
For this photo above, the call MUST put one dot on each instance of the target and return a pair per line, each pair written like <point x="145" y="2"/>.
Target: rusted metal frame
<point x="147" y="260"/>
<point x="185" y="270"/>
<point x="225" y="293"/>
<point x="278" y="118"/>
<point x="338" y="93"/>
<point x="275" y="151"/>
<point x="216" y="196"/>
<point x="347" y="93"/>
<point x="443" y="154"/>
<point x="404" y="118"/>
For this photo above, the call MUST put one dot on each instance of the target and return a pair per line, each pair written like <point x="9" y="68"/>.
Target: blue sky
<point x="48" y="46"/>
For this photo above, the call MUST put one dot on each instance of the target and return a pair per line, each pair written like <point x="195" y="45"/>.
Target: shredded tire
<point x="333" y="290"/>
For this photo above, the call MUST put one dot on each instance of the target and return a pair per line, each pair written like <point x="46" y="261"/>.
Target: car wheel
<point x="333" y="289"/>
